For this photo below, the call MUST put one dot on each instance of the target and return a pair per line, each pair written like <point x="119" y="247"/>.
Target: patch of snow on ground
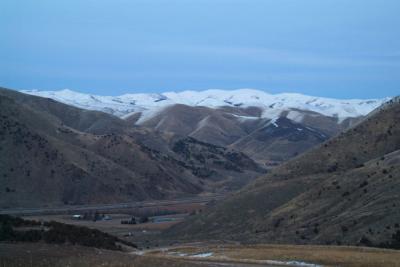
<point x="202" y="255"/>
<point x="149" y="114"/>
<point x="315" y="131"/>
<point x="177" y="253"/>
<point x="295" y="116"/>
<point x="293" y="263"/>
<point x="244" y="118"/>
<point x="273" y="122"/>
<point x="271" y="113"/>
<point x="269" y="262"/>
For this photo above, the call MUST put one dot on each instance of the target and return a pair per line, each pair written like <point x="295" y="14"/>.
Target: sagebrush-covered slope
<point x="346" y="191"/>
<point x="55" y="154"/>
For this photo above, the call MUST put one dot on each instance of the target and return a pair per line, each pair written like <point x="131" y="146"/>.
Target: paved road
<point x="138" y="204"/>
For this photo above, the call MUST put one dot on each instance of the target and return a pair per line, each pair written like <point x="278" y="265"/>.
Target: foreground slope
<point x="44" y="255"/>
<point x="55" y="154"/>
<point x="346" y="191"/>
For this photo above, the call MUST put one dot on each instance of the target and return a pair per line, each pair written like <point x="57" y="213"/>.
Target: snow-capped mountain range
<point x="272" y="105"/>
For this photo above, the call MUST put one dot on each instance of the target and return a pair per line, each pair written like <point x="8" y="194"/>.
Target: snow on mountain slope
<point x="271" y="104"/>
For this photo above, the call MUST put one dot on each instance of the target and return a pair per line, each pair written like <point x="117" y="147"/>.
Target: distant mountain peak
<point x="271" y="104"/>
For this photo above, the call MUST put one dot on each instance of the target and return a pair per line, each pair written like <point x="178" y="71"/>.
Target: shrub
<point x="144" y="219"/>
<point x="57" y="233"/>
<point x="345" y="194"/>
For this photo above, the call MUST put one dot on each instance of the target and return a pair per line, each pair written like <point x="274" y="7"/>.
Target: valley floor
<point x="196" y="255"/>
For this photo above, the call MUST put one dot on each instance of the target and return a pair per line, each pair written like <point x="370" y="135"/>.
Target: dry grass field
<point x="112" y="226"/>
<point x="44" y="255"/>
<point x="286" y="254"/>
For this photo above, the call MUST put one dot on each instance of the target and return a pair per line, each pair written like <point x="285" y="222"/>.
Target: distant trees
<point x="144" y="219"/>
<point x="57" y="233"/>
<point x="6" y="231"/>
<point x="131" y="221"/>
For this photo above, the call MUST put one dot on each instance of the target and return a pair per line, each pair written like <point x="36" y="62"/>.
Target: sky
<point x="331" y="48"/>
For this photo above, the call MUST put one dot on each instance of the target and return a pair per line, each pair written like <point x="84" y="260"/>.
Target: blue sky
<point x="334" y="48"/>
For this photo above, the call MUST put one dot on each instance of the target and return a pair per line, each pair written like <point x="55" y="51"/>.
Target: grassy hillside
<point x="343" y="192"/>
<point x="52" y="154"/>
<point x="245" y="129"/>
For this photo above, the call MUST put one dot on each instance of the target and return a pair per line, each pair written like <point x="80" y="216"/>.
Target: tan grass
<point x="324" y="255"/>
<point x="43" y="255"/>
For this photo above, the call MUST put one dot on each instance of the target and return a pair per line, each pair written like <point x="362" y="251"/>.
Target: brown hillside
<point x="346" y="191"/>
<point x="244" y="129"/>
<point x="53" y="154"/>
